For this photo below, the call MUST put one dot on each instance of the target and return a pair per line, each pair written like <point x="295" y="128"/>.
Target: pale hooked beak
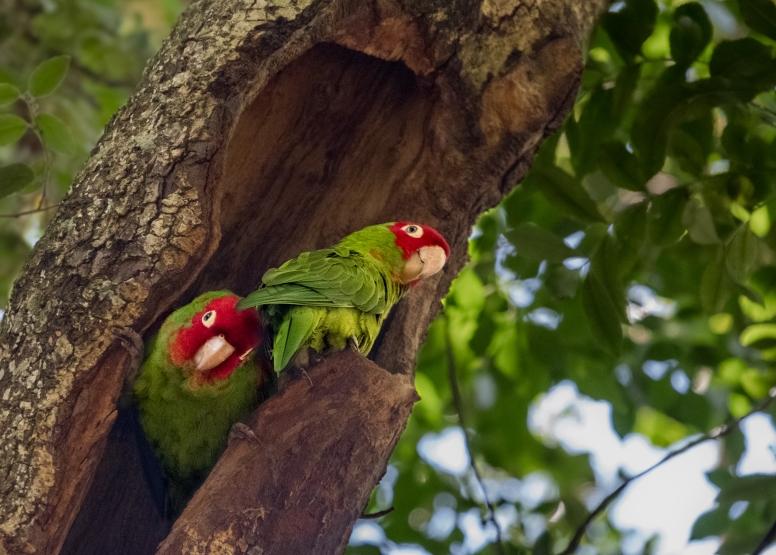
<point x="423" y="263"/>
<point x="215" y="351"/>
<point x="433" y="259"/>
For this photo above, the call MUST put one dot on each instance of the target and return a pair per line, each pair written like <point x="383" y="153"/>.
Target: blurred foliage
<point x="635" y="260"/>
<point x="66" y="66"/>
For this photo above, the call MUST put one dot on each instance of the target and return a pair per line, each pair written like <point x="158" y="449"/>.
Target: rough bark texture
<point x="260" y="130"/>
<point x="266" y="498"/>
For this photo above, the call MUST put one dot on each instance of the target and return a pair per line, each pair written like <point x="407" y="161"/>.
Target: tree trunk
<point x="261" y="130"/>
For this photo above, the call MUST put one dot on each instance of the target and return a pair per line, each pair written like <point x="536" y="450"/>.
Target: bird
<point x="321" y="301"/>
<point x="200" y="376"/>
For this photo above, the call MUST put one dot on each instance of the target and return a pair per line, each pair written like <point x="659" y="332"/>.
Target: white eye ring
<point x="413" y="231"/>
<point x="209" y="318"/>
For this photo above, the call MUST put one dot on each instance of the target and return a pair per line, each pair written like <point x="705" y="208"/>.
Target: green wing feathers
<point x="292" y="334"/>
<point x="326" y="278"/>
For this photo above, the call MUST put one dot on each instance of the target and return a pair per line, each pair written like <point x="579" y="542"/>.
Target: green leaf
<point x="700" y="225"/>
<point x="757" y="333"/>
<point x="543" y="545"/>
<point x="746" y="62"/>
<point x="536" y="243"/>
<point x="568" y="194"/>
<point x="760" y="16"/>
<point x="606" y="265"/>
<point x="624" y="87"/>
<point x="8" y="94"/>
<point x="690" y="33"/>
<point x="47" y="77"/>
<point x="741" y="253"/>
<point x="665" y="217"/>
<point x="11" y="129"/>
<point x="56" y="134"/>
<point x="686" y="150"/>
<point x="631" y="26"/>
<point x="14" y="178"/>
<point x="712" y="523"/>
<point x="621" y="167"/>
<point x="596" y="124"/>
<point x="561" y="282"/>
<point x="716" y="285"/>
<point x="602" y="315"/>
<point x="630" y="230"/>
<point x="754" y="487"/>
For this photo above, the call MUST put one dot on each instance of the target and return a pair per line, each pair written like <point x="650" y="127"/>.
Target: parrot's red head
<point x="218" y="340"/>
<point x="424" y="250"/>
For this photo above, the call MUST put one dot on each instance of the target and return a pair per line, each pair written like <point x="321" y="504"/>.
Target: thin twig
<point x="767" y="540"/>
<point x="32" y="108"/>
<point x="713" y="434"/>
<point x="28" y="212"/>
<point x="378" y="514"/>
<point x="452" y="376"/>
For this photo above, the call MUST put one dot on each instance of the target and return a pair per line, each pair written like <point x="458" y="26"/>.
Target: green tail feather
<point x="292" y="334"/>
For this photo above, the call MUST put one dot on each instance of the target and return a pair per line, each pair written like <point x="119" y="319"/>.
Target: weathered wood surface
<point x="260" y="130"/>
<point x="322" y="448"/>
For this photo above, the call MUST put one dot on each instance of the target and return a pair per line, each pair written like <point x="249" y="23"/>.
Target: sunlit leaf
<point x="48" y="76"/>
<point x="758" y="333"/>
<point x="660" y="429"/>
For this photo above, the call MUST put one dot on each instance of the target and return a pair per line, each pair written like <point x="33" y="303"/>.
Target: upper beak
<point x="433" y="259"/>
<point x="215" y="351"/>
<point x="423" y="263"/>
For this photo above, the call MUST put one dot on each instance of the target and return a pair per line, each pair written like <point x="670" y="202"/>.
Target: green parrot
<point x="197" y="380"/>
<point x="322" y="300"/>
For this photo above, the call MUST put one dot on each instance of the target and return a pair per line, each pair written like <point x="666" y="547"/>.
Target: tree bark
<point x="261" y="130"/>
<point x="322" y="446"/>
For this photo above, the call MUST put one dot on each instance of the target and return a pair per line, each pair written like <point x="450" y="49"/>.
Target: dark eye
<point x="413" y="231"/>
<point x="209" y="318"/>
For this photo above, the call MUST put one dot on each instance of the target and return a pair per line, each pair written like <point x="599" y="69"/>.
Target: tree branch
<point x="713" y="434"/>
<point x="767" y="540"/>
<point x="452" y="376"/>
<point x="28" y="212"/>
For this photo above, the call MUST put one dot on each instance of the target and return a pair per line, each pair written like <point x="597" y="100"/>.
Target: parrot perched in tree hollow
<point x="197" y="380"/>
<point x="326" y="298"/>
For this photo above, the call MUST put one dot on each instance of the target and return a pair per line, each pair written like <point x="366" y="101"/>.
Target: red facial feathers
<point x="240" y="329"/>
<point x="429" y="237"/>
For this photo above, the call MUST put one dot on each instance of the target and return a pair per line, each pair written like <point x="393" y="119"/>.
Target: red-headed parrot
<point x="326" y="298"/>
<point x="200" y="376"/>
